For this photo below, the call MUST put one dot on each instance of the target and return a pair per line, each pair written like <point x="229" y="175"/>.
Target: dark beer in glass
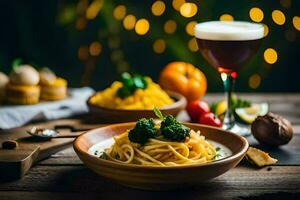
<point x="227" y="46"/>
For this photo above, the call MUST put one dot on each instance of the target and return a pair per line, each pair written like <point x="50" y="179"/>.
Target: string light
<point x="256" y="14"/>
<point x="177" y="4"/>
<point x="266" y="30"/>
<point x="93" y="9"/>
<point x="159" y="46"/>
<point x="129" y="22"/>
<point x="95" y="48"/>
<point x="192" y="44"/>
<point x="170" y="26"/>
<point x="158" y="8"/>
<point x="270" y="55"/>
<point x="254" y="81"/>
<point x="278" y="17"/>
<point x="189" y="28"/>
<point x="142" y="26"/>
<point x="188" y="10"/>
<point x="119" y="12"/>
<point x="226" y="17"/>
<point x="296" y="22"/>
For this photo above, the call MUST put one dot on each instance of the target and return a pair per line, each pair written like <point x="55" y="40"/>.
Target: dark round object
<point x="272" y="129"/>
<point x="9" y="144"/>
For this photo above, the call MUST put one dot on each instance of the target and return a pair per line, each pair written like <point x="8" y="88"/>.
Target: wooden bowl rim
<point x="180" y="102"/>
<point x="229" y="159"/>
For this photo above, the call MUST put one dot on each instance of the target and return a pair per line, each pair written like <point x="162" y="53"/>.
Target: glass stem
<point x="228" y="82"/>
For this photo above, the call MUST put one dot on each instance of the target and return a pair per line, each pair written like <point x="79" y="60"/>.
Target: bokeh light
<point x="266" y="30"/>
<point x="296" y="22"/>
<point x="116" y="55"/>
<point x="192" y="44"/>
<point x="82" y="6"/>
<point x="122" y="66"/>
<point x="189" y="28"/>
<point x="188" y="9"/>
<point x="142" y="26"/>
<point x="256" y="14"/>
<point x="285" y="3"/>
<point x="254" y="81"/>
<point x="129" y="22"/>
<point x="93" y="9"/>
<point x="270" y="56"/>
<point x="119" y="12"/>
<point x="80" y="23"/>
<point x="170" y="26"/>
<point x="278" y="17"/>
<point x="177" y="4"/>
<point x="83" y="53"/>
<point x="159" y="46"/>
<point x="226" y="17"/>
<point x="158" y="8"/>
<point x="95" y="48"/>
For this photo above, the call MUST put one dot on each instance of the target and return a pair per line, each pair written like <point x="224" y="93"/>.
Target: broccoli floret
<point x="168" y="121"/>
<point x="143" y="130"/>
<point x="175" y="132"/>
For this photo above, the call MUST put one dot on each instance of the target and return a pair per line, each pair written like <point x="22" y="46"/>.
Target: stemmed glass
<point x="227" y="46"/>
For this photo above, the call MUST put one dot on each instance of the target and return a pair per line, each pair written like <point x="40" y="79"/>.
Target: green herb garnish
<point x="143" y="130"/>
<point x="172" y="129"/>
<point x="16" y="63"/>
<point x="130" y="84"/>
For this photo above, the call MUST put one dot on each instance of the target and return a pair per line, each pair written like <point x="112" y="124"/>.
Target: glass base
<point x="239" y="129"/>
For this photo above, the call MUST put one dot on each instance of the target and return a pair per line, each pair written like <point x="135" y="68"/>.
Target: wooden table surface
<point x="63" y="176"/>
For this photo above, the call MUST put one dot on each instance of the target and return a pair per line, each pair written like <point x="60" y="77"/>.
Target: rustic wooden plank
<point x="133" y="194"/>
<point x="238" y="182"/>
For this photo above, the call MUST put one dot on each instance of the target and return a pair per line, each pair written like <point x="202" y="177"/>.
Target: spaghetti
<point x="161" y="152"/>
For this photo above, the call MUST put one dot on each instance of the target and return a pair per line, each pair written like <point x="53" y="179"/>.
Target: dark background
<point x="45" y="33"/>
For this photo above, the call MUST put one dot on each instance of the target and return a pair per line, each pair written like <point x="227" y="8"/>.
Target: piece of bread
<point x="3" y="82"/>
<point x="24" y="75"/>
<point x="259" y="157"/>
<point x="55" y="90"/>
<point x="22" y="94"/>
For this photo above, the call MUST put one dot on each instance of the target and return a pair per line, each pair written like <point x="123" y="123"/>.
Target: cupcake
<point x="3" y="82"/>
<point x="23" y="86"/>
<point x="52" y="87"/>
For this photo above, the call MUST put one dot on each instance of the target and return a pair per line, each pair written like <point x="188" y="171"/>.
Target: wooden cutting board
<point x="15" y="163"/>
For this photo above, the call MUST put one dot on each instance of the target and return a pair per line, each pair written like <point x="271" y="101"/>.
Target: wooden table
<point x="63" y="176"/>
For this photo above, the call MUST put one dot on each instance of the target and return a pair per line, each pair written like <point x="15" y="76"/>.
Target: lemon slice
<point x="221" y="107"/>
<point x="249" y="114"/>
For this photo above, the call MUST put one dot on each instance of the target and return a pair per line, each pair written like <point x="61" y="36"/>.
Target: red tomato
<point x="210" y="119"/>
<point x="197" y="108"/>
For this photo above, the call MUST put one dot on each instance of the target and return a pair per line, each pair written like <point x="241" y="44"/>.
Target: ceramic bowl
<point x="157" y="177"/>
<point x="121" y="115"/>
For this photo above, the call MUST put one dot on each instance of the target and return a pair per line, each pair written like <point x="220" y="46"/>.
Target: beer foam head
<point x="229" y="30"/>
